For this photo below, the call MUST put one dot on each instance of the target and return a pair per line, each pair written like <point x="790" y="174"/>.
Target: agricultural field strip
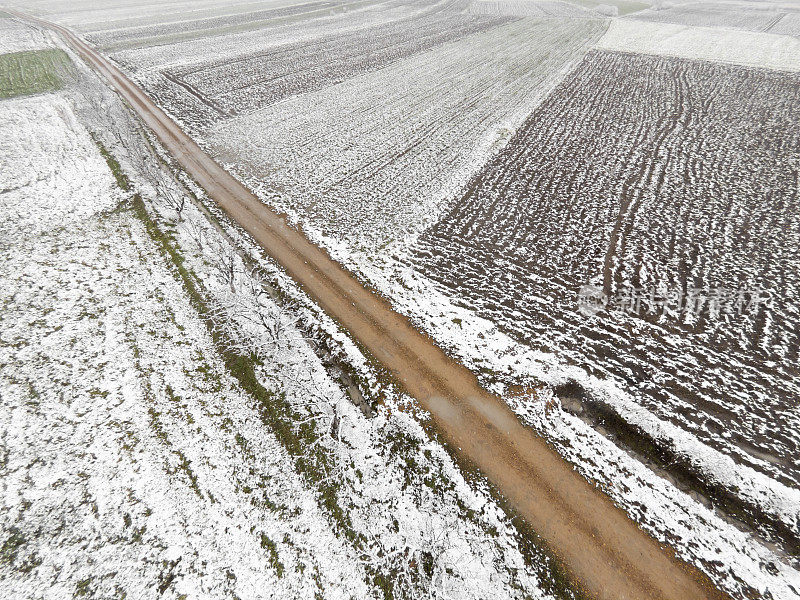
<point x="152" y="70"/>
<point x="754" y="49"/>
<point x="32" y="72"/>
<point x="293" y="67"/>
<point x="163" y="18"/>
<point x="88" y="14"/>
<point x="284" y="17"/>
<point x="520" y="283"/>
<point x="788" y="25"/>
<point x="166" y="14"/>
<point x="749" y="16"/>
<point x="142" y="61"/>
<point x="592" y="570"/>
<point x="254" y="81"/>
<point x="149" y="61"/>
<point x="414" y="131"/>
<point x="150" y="34"/>
<point x="525" y="8"/>
<point x="556" y="8"/>
<point x="118" y="462"/>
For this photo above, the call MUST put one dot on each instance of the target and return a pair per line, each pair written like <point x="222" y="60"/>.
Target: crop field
<point x="789" y="24"/>
<point x="527" y="9"/>
<point x="754" y="16"/>
<point x="252" y="82"/>
<point x="206" y="83"/>
<point x="147" y="25"/>
<point x="689" y="190"/>
<point x="143" y="55"/>
<point x="557" y="8"/>
<point x="593" y="205"/>
<point x="219" y="24"/>
<point x="31" y="72"/>
<point x="715" y="44"/>
<point x="410" y="133"/>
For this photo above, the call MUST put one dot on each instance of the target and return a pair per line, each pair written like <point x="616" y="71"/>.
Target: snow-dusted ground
<point x="748" y="48"/>
<point x="557" y="8"/>
<point x="774" y="16"/>
<point x="528" y="8"/>
<point x="16" y="37"/>
<point x="128" y="453"/>
<point x="735" y="559"/>
<point x="133" y="463"/>
<point x="369" y="161"/>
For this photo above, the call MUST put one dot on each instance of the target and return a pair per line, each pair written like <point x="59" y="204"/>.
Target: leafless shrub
<point x="167" y="191"/>
<point x="416" y="571"/>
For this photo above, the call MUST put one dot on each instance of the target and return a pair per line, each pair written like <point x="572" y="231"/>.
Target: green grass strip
<point x="32" y="72"/>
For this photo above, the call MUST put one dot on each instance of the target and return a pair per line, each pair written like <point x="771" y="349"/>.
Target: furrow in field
<point x="705" y="204"/>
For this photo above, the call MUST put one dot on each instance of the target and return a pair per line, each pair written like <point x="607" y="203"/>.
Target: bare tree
<point x="168" y="190"/>
<point x="196" y="231"/>
<point x="224" y="261"/>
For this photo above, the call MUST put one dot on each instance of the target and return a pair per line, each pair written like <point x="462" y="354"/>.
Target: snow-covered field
<point x="411" y="134"/>
<point x="774" y="16"/>
<point x="369" y="162"/>
<point x="752" y="49"/>
<point x="128" y="452"/>
<point x="16" y="37"/>
<point x="136" y="462"/>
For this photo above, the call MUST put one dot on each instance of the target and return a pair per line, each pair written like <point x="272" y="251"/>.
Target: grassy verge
<point x="277" y="413"/>
<point x="32" y="72"/>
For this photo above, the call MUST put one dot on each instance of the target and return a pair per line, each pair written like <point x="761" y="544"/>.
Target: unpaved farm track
<point x="606" y="553"/>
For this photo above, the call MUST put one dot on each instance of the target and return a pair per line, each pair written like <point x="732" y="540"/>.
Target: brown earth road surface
<point x="608" y="556"/>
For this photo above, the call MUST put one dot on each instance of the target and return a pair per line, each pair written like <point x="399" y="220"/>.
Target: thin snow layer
<point x="556" y="8"/>
<point x="130" y="461"/>
<point x="18" y="37"/>
<point x="527" y="8"/>
<point x="734" y="559"/>
<point x="141" y="58"/>
<point x="762" y="15"/>
<point x="165" y="29"/>
<point x="120" y="469"/>
<point x="747" y="48"/>
<point x="401" y="491"/>
<point x="369" y="160"/>
<point x="788" y="24"/>
<point x="93" y="17"/>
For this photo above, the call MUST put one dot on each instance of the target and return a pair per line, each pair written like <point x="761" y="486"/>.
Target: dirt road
<point x="606" y="553"/>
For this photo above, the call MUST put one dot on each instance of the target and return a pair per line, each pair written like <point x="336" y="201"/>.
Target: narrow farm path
<point x="605" y="552"/>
